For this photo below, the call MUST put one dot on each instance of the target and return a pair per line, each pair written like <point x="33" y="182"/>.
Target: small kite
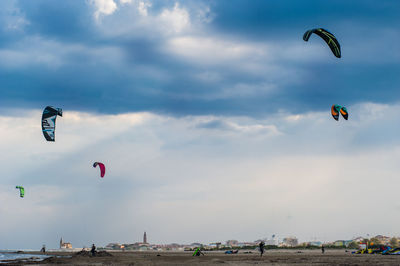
<point x="328" y="37"/>
<point x="336" y="109"/>
<point x="102" y="168"/>
<point x="344" y="113"/>
<point x="21" y="191"/>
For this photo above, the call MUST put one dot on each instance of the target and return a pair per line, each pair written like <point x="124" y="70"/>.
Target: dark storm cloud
<point x="64" y="20"/>
<point x="260" y="18"/>
<point x="62" y="55"/>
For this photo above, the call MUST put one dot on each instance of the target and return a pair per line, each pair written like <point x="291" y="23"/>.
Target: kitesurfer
<point x="261" y="245"/>
<point x="93" y="250"/>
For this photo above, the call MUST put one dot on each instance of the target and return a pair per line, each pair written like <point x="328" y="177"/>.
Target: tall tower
<point x="145" y="238"/>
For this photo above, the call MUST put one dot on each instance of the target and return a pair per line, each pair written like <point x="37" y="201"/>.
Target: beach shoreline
<point x="280" y="257"/>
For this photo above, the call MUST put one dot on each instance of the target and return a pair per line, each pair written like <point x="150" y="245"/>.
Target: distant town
<point x="272" y="243"/>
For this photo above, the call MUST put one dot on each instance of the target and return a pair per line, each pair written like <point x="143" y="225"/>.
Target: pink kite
<point x="102" y="168"/>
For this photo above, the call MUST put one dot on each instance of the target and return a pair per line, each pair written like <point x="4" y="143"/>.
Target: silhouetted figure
<point x="43" y="250"/>
<point x="261" y="245"/>
<point x="93" y="250"/>
<point x="323" y="249"/>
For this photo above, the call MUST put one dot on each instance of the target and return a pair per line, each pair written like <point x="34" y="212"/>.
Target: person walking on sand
<point x="93" y="250"/>
<point x="261" y="246"/>
<point x="323" y="249"/>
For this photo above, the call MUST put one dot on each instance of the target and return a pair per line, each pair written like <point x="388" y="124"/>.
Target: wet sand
<point x="281" y="257"/>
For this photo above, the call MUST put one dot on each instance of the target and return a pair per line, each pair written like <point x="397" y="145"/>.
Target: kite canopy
<point x="196" y="252"/>
<point x="21" y="191"/>
<point x="344" y="113"/>
<point x="49" y="122"/>
<point x="102" y="168"/>
<point x="336" y="109"/>
<point x="328" y="37"/>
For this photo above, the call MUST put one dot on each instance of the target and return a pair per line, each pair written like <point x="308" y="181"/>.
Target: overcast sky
<point x="212" y="118"/>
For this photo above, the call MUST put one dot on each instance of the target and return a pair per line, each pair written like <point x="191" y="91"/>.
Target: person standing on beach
<point x="93" y="250"/>
<point x="261" y="245"/>
<point x="323" y="249"/>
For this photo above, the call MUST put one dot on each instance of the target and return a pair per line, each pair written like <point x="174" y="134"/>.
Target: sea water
<point x="10" y="255"/>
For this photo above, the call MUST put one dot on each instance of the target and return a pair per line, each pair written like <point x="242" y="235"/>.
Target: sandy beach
<point x="288" y="257"/>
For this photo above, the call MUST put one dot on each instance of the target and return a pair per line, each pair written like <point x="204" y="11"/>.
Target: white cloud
<point x="236" y="125"/>
<point x="103" y="7"/>
<point x="143" y="7"/>
<point x="273" y="63"/>
<point x="137" y="20"/>
<point x="205" y="15"/>
<point x="175" y="20"/>
<point x="214" y="50"/>
<point x="191" y="171"/>
<point x="12" y="18"/>
<point x="220" y="50"/>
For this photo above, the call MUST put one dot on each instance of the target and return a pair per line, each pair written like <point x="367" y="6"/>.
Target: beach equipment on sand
<point x="394" y="251"/>
<point x="198" y="252"/>
<point x="232" y="251"/>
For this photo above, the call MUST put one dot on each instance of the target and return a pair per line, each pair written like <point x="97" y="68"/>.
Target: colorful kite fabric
<point x="102" y="168"/>
<point x="328" y="37"/>
<point x="196" y="252"/>
<point x="21" y="191"/>
<point x="344" y="113"/>
<point x="336" y="109"/>
<point x="335" y="112"/>
<point x="49" y="122"/>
